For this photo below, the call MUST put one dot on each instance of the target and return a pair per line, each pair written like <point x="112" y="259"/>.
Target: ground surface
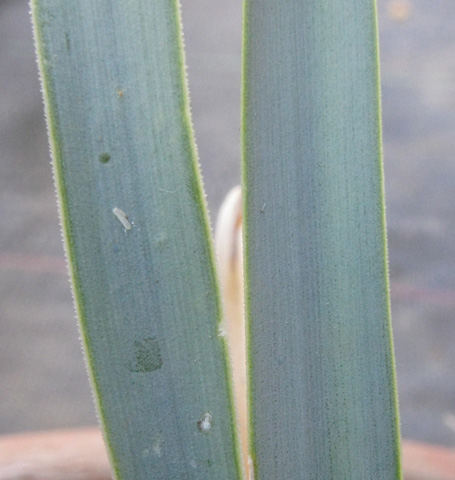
<point x="42" y="374"/>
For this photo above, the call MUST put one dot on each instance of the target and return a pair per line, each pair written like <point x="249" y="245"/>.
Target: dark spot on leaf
<point x="67" y="42"/>
<point x="104" y="157"/>
<point x="147" y="356"/>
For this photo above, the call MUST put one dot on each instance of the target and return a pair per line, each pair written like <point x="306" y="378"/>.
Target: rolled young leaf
<point x="229" y="254"/>
<point x="322" y="390"/>
<point x="137" y="235"/>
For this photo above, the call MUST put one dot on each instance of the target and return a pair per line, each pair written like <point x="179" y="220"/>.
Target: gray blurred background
<point x="43" y="382"/>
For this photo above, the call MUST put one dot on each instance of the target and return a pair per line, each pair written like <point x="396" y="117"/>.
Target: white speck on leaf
<point x="157" y="447"/>
<point x="221" y="330"/>
<point x="205" y="423"/>
<point x="121" y="215"/>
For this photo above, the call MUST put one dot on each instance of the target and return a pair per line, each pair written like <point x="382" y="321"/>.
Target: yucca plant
<point x="320" y="368"/>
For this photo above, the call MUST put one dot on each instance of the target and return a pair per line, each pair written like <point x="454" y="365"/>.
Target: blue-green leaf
<point x="137" y="235"/>
<point x="321" y="366"/>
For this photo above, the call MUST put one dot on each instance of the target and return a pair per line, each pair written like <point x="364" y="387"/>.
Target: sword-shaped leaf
<point x="321" y="367"/>
<point x="137" y="236"/>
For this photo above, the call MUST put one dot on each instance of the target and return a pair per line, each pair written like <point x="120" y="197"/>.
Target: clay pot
<point x="55" y="455"/>
<point x="80" y="455"/>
